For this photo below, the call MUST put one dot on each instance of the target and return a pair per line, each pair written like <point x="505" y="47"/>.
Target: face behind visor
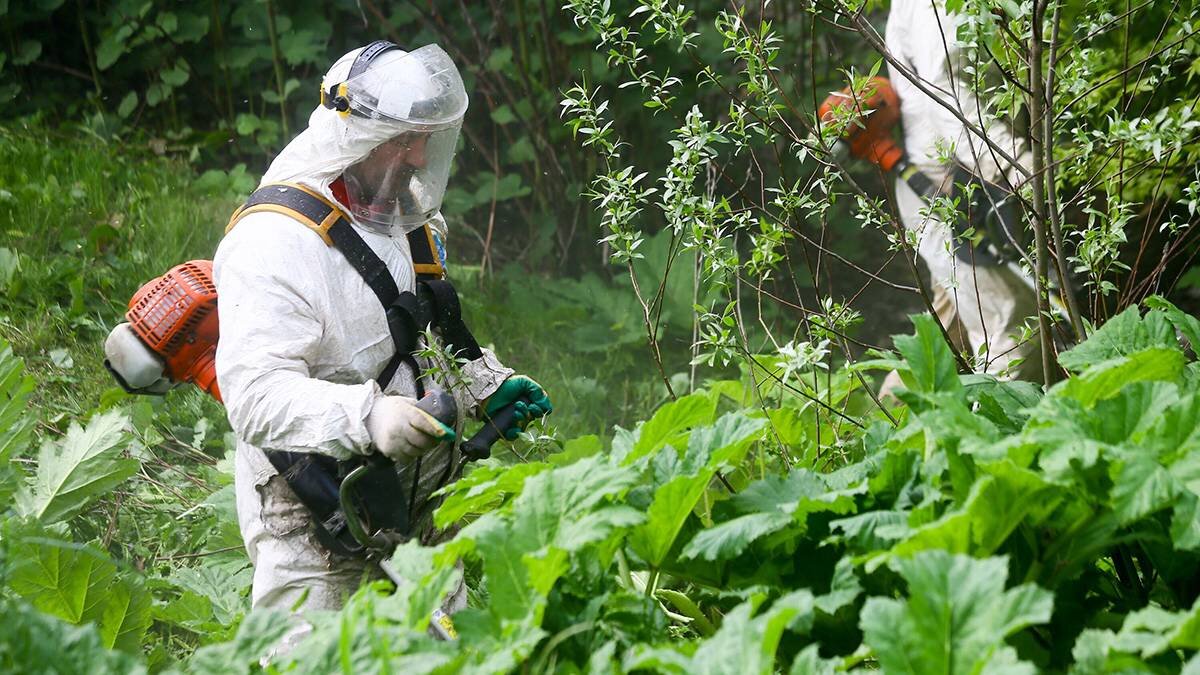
<point x="399" y="184"/>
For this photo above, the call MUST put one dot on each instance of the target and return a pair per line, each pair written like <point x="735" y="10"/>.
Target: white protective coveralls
<point x="982" y="307"/>
<point x="302" y="339"/>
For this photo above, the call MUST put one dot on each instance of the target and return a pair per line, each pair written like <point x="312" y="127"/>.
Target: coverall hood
<point x="334" y="142"/>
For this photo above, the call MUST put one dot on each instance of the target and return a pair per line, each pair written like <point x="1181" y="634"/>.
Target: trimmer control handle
<point x="480" y="445"/>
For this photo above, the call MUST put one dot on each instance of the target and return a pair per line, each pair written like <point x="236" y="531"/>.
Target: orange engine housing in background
<point x="176" y="316"/>
<point x="879" y="111"/>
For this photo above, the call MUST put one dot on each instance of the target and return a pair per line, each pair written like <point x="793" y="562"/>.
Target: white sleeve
<point x="927" y="37"/>
<point x="266" y="272"/>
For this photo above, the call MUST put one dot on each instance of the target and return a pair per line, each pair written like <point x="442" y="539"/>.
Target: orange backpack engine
<point x="170" y="335"/>
<point x="876" y="111"/>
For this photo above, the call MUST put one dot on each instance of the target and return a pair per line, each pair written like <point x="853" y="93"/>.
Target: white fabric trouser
<point x="982" y="307"/>
<point x="293" y="572"/>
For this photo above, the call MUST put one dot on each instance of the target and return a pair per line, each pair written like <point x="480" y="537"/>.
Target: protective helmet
<point x="415" y="103"/>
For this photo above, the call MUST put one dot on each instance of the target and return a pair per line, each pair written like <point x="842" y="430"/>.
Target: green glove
<point x="525" y="395"/>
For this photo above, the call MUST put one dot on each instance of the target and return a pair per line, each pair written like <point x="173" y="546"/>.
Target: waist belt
<point x="316" y="479"/>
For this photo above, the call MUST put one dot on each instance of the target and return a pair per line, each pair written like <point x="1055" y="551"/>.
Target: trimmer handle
<point x="480" y="445"/>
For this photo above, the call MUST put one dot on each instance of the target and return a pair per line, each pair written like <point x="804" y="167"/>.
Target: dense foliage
<point x="720" y="489"/>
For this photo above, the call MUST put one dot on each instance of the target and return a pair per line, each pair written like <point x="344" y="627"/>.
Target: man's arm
<point x="270" y="334"/>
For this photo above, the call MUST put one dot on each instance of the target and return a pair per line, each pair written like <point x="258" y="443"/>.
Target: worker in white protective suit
<point x="982" y="306"/>
<point x="303" y="337"/>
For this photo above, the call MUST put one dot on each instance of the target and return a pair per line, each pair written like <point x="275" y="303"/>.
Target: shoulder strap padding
<point x="298" y="202"/>
<point x="314" y="211"/>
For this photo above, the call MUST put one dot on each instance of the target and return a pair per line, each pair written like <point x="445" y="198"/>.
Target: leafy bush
<point x="990" y="527"/>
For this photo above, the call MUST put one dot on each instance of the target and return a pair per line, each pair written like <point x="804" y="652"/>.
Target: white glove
<point x="402" y="431"/>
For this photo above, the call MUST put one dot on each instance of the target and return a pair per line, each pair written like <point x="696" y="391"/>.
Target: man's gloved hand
<point x="402" y="431"/>
<point x="527" y="397"/>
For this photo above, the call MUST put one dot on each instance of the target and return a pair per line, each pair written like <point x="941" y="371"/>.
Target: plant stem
<point x="1037" y="115"/>
<point x="652" y="582"/>
<point x="87" y="47"/>
<point x="277" y="59"/>
<point x="1060" y="251"/>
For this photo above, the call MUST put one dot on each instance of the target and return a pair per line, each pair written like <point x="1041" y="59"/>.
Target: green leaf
<point x="27" y="52"/>
<point x="175" y="76"/>
<point x="503" y="115"/>
<point x="34" y="642"/>
<point x="730" y="538"/>
<point x="673" y="503"/>
<point x="80" y="584"/>
<point x="156" y="93"/>
<point x="87" y="463"/>
<point x="222" y="587"/>
<point x="770" y="505"/>
<point x="809" y="662"/>
<point x="1186" y="324"/>
<point x="521" y="151"/>
<point x="843" y="589"/>
<point x="259" y="632"/>
<point x="1123" y="335"/>
<point x="955" y="618"/>
<point x="1104" y="380"/>
<point x="112" y="46"/>
<point x="871" y="531"/>
<point x="192" y="27"/>
<point x="1141" y="486"/>
<point x="558" y="511"/>
<point x="999" y="501"/>
<point x="16" y="420"/>
<point x="709" y="448"/>
<point x="486" y="487"/>
<point x="930" y="361"/>
<point x="669" y="422"/>
<point x="128" y="103"/>
<point x="428" y="582"/>
<point x="1152" y="630"/>
<point x="168" y="22"/>
<point x="247" y="124"/>
<point x="499" y="59"/>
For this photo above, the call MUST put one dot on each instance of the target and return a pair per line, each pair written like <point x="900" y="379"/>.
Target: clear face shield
<point x="399" y="185"/>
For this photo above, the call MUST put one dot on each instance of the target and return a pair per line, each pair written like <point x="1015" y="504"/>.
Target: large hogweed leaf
<point x="1002" y="498"/>
<point x="709" y="449"/>
<point x="16" y="424"/>
<point x="1123" y="335"/>
<point x="80" y="584"/>
<point x="1146" y="633"/>
<point x="670" y="424"/>
<point x="255" y="638"/>
<point x="557" y="512"/>
<point x="1186" y="324"/>
<point x="83" y="465"/>
<point x="768" y="506"/>
<point x="930" y="362"/>
<point x="484" y="488"/>
<point x="32" y="641"/>
<point x="955" y="618"/>
<point x="1106" y="379"/>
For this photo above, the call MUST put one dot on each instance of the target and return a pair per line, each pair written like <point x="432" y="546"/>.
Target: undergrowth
<point x="771" y="520"/>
